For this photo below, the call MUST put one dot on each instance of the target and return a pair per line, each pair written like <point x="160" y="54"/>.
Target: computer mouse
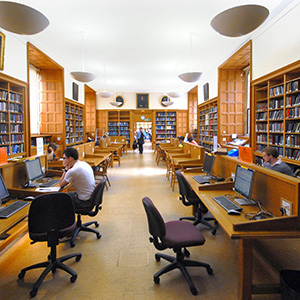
<point x="233" y="212"/>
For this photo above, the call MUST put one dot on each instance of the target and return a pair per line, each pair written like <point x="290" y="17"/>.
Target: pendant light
<point x="105" y="93"/>
<point x="174" y="94"/>
<point x="239" y="20"/>
<point x="83" y="76"/>
<point x="21" y="19"/>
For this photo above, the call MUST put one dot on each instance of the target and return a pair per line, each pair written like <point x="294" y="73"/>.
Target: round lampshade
<point x="21" y="19"/>
<point x="105" y="94"/>
<point x="167" y="103"/>
<point x="174" y="94"/>
<point x="239" y="20"/>
<point x="83" y="76"/>
<point x="190" y="76"/>
<point x="115" y="103"/>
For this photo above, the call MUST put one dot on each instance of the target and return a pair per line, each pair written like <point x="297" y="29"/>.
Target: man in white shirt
<point x="80" y="174"/>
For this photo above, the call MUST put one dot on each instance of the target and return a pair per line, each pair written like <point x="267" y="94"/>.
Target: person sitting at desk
<point x="272" y="162"/>
<point x="192" y="141"/>
<point x="80" y="174"/>
<point x="52" y="147"/>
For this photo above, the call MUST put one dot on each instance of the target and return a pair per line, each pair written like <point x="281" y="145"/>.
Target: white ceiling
<point x="143" y="44"/>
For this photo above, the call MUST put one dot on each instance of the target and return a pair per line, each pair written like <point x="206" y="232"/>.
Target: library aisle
<point x="120" y="265"/>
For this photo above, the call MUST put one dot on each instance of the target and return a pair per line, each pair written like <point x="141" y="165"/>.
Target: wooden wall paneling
<point x="102" y="120"/>
<point x="182" y="122"/>
<point x="90" y="111"/>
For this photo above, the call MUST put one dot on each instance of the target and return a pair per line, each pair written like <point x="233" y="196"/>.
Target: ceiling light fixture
<point x="239" y="20"/>
<point x="174" y="94"/>
<point x="83" y="76"/>
<point x="21" y="19"/>
<point x="115" y="103"/>
<point x="105" y="93"/>
<point x="165" y="101"/>
<point x="190" y="76"/>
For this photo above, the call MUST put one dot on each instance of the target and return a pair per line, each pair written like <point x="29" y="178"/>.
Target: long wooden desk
<point x="245" y="231"/>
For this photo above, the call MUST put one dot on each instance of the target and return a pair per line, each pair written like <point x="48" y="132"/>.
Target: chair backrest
<point x="184" y="186"/>
<point x="156" y="223"/>
<point x="97" y="197"/>
<point x="51" y="212"/>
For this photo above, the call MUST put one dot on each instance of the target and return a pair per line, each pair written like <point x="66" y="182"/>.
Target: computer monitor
<point x="243" y="183"/>
<point x="208" y="164"/>
<point x="33" y="168"/>
<point x="3" y="190"/>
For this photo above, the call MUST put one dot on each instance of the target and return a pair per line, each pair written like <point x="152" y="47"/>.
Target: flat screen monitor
<point x="33" y="168"/>
<point x="243" y="182"/>
<point x="208" y="163"/>
<point x="3" y="190"/>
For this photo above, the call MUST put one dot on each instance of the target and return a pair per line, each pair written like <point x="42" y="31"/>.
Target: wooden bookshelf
<point x="276" y="113"/>
<point x="47" y="139"/>
<point x="165" y="125"/>
<point x="74" y="121"/>
<point x="208" y="123"/>
<point x="12" y="115"/>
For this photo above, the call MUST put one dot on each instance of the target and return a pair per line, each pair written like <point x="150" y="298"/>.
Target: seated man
<point x="80" y="174"/>
<point x="272" y="162"/>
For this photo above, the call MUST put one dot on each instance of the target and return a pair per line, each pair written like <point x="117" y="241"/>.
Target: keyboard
<point x="226" y="203"/>
<point x="201" y="179"/>
<point x="50" y="183"/>
<point x="11" y="209"/>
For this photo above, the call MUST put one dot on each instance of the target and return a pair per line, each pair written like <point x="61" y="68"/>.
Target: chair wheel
<point x="96" y="224"/>
<point x="194" y="291"/>
<point x="216" y="223"/>
<point x="21" y="275"/>
<point x="33" y="293"/>
<point x="157" y="257"/>
<point x="210" y="271"/>
<point x="98" y="236"/>
<point x="73" y="278"/>
<point x="78" y="257"/>
<point x="156" y="280"/>
<point x="72" y="244"/>
<point x="53" y="270"/>
<point x="214" y="232"/>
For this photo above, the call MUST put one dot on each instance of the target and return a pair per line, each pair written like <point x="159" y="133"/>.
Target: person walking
<point x="140" y="140"/>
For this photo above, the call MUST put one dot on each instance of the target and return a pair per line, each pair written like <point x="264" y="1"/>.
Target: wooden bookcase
<point x="74" y="120"/>
<point x="208" y="123"/>
<point x="47" y="139"/>
<point x="276" y="113"/>
<point x="12" y="116"/>
<point x="165" y="125"/>
<point x="119" y="124"/>
<point x="90" y="111"/>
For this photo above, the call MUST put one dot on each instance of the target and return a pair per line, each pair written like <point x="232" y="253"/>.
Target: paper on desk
<point x="48" y="189"/>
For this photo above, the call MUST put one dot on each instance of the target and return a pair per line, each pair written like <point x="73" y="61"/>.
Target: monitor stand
<point x="244" y="201"/>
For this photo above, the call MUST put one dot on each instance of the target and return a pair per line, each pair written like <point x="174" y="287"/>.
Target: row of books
<point x="16" y="118"/>
<point x="276" y="127"/>
<point x="69" y="116"/>
<point x="171" y="127"/>
<point x="3" y="106"/>
<point x="292" y="127"/>
<point x="16" y="107"/>
<point x="292" y="112"/>
<point x="125" y="133"/>
<point x="113" y="132"/>
<point x="261" y="138"/>
<point x="292" y="154"/>
<point x="17" y="138"/>
<point x="16" y="128"/>
<point x="292" y="100"/>
<point x="278" y="103"/>
<point x="118" y="123"/>
<point x="276" y="91"/>
<point x="261" y="116"/>
<point x="12" y="96"/>
<point x="160" y="127"/>
<point x="261" y="106"/>
<point x="276" y="139"/>
<point x="3" y="117"/>
<point x="3" y="128"/>
<point x="292" y="140"/>
<point x="160" y="119"/>
<point x="4" y="139"/>
<point x="293" y="86"/>
<point x="261" y="127"/>
<point x="17" y="148"/>
<point x="276" y="114"/>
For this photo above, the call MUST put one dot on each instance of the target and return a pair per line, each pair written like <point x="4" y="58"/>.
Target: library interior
<point x="114" y="176"/>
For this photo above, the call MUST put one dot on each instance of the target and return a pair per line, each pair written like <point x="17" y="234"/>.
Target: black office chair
<point x="176" y="235"/>
<point x="51" y="217"/>
<point x="188" y="197"/>
<point x="92" y="210"/>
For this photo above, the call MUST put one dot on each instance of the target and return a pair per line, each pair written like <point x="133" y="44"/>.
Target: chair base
<point x="51" y="265"/>
<point x="204" y="221"/>
<point x="84" y="227"/>
<point x="180" y="263"/>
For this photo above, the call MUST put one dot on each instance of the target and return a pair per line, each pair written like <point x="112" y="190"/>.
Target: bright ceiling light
<point x="21" y="19"/>
<point x="115" y="103"/>
<point x="239" y="20"/>
<point x="174" y="94"/>
<point x="83" y="76"/>
<point x="168" y="103"/>
<point x="105" y="94"/>
<point x="190" y="76"/>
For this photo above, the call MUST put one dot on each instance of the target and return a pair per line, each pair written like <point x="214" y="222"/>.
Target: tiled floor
<point x="120" y="266"/>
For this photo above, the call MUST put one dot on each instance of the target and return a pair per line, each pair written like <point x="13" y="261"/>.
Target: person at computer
<point x="80" y="175"/>
<point x="140" y="140"/>
<point x="52" y="147"/>
<point x="192" y="141"/>
<point x="273" y="162"/>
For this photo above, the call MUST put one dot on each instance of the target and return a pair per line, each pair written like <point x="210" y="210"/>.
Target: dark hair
<point x="54" y="146"/>
<point x="270" y="151"/>
<point x="181" y="138"/>
<point x="190" y="139"/>
<point x="71" y="152"/>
